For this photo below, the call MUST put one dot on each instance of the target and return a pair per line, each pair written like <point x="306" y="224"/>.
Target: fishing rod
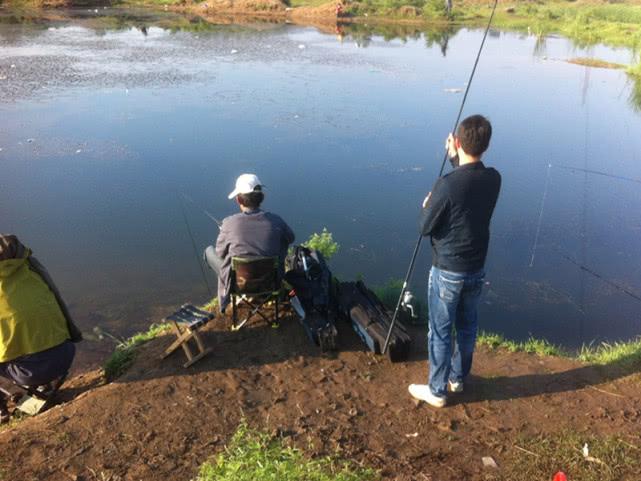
<point x="193" y="244"/>
<point x="219" y="223"/>
<point x="410" y="269"/>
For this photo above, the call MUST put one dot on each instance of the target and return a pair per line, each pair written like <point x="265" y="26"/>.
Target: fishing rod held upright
<point x="410" y="269"/>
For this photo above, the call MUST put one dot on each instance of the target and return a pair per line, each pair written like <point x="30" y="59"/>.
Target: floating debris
<point x="29" y="141"/>
<point x="453" y="91"/>
<point x="234" y="51"/>
<point x="78" y="151"/>
<point x="301" y="46"/>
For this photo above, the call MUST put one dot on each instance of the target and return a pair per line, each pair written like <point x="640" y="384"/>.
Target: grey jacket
<point x="255" y="233"/>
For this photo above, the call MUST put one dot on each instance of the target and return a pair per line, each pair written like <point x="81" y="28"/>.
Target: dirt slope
<point x="160" y="421"/>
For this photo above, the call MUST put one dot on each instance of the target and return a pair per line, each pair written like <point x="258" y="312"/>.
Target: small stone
<point x="489" y="462"/>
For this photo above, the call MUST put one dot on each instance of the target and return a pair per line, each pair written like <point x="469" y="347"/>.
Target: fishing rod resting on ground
<point x="410" y="269"/>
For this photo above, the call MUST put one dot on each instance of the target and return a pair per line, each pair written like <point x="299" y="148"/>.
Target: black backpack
<point x="307" y="272"/>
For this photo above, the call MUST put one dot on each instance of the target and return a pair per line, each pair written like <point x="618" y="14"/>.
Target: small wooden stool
<point x="185" y="323"/>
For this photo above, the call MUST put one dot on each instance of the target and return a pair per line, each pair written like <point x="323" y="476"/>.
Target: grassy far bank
<point x="613" y="22"/>
<point x="587" y="22"/>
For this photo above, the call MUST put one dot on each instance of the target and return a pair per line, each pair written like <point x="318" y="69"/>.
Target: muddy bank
<point x="161" y="421"/>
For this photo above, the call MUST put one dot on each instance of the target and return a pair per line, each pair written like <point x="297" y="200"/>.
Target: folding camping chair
<point x="185" y="323"/>
<point x="255" y="281"/>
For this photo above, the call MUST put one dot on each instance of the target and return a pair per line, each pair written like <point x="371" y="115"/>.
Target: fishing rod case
<point x="371" y="320"/>
<point x="307" y="272"/>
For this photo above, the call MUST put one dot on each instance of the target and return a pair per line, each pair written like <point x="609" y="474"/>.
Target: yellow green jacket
<point x="31" y="319"/>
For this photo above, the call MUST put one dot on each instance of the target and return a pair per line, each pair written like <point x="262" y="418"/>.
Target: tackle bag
<point x="371" y="320"/>
<point x="307" y="272"/>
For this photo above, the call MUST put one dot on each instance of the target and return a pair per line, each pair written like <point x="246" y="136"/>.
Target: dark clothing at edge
<point x="457" y="217"/>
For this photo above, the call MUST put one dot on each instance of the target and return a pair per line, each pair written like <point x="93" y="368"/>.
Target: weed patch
<point x="125" y="351"/>
<point x="255" y="456"/>
<point x="323" y="243"/>
<point x="625" y="354"/>
<point x="540" y="347"/>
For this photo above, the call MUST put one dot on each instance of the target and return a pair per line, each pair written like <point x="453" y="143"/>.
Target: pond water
<point x="108" y="117"/>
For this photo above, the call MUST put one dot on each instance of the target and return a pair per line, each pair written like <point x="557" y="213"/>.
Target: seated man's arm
<point x="223" y="240"/>
<point x="289" y="233"/>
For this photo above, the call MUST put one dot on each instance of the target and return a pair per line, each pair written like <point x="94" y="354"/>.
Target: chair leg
<point x="203" y="351"/>
<point x="234" y="312"/>
<point x="276" y="305"/>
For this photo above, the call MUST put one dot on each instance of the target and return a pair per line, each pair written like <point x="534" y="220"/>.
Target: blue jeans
<point x="452" y="299"/>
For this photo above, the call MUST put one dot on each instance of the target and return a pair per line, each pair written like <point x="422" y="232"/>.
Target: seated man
<point x="36" y="330"/>
<point x="252" y="232"/>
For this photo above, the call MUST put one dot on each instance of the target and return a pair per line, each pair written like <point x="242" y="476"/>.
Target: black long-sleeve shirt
<point x="457" y="217"/>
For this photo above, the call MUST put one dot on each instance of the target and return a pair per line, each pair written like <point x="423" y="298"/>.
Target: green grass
<point x="323" y="243"/>
<point x="532" y="345"/>
<point x="255" y="456"/>
<point x="125" y="351"/>
<point x="613" y="459"/>
<point x="622" y="354"/>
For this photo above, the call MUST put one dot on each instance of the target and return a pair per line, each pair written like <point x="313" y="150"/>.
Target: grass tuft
<point x="125" y="351"/>
<point x="540" y="347"/>
<point x="625" y="354"/>
<point x="255" y="456"/>
<point x="323" y="243"/>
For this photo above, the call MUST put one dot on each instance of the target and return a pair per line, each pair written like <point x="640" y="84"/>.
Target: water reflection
<point x="127" y="109"/>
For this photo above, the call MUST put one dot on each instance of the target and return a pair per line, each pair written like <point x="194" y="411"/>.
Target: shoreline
<point x="586" y="22"/>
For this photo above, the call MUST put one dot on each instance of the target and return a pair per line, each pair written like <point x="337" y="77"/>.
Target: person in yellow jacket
<point x="36" y="330"/>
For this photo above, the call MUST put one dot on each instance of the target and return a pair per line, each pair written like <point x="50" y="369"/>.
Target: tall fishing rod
<point x="219" y="223"/>
<point x="410" y="269"/>
<point x="193" y="244"/>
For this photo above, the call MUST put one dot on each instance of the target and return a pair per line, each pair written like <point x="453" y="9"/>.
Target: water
<point x="108" y="118"/>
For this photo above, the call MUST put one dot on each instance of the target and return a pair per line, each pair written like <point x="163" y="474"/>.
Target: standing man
<point x="251" y="232"/>
<point x="457" y="214"/>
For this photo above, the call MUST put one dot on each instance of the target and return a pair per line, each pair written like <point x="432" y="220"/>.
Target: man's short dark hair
<point x="474" y="133"/>
<point x="251" y="200"/>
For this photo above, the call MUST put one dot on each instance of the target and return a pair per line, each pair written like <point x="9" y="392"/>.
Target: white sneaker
<point x="424" y="393"/>
<point x="455" y="386"/>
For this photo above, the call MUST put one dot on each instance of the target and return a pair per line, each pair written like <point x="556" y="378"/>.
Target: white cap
<point x="245" y="184"/>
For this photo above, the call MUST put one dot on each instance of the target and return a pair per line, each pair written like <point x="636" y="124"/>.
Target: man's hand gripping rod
<point x="410" y="270"/>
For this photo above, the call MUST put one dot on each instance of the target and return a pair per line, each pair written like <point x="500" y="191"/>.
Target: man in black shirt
<point x="456" y="215"/>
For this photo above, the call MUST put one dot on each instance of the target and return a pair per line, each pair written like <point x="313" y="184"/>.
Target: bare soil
<point x="160" y="421"/>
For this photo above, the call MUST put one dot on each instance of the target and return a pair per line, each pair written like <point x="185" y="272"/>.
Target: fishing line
<point x="596" y="172"/>
<point x="538" y="227"/>
<point x="420" y="236"/>
<point x="205" y="211"/>
<point x="600" y="277"/>
<point x="193" y="244"/>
